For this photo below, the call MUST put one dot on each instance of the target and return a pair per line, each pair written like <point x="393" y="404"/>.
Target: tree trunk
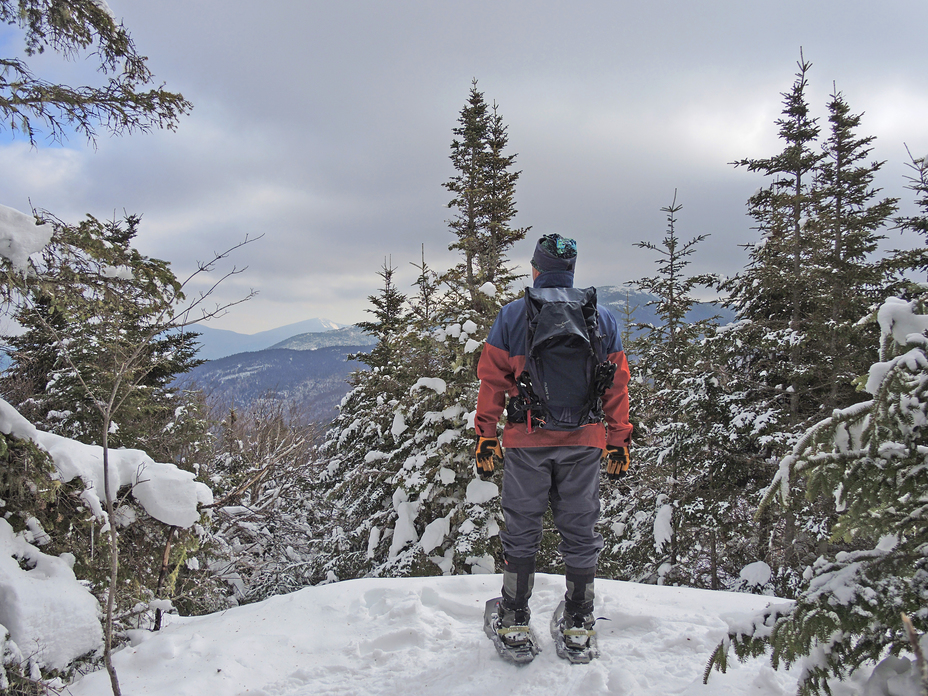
<point x="163" y="573"/>
<point x="114" y="564"/>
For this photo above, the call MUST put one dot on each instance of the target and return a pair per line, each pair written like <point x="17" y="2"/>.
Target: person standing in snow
<point x="544" y="465"/>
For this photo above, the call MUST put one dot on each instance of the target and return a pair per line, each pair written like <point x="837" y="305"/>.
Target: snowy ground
<point x="424" y="635"/>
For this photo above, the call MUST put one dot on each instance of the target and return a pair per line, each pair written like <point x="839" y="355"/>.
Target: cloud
<point x="326" y="127"/>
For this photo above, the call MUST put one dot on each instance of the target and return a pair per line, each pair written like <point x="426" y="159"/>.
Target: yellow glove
<point x="488" y="454"/>
<point x="616" y="460"/>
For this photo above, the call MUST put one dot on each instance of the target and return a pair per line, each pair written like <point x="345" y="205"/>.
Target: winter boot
<point x="572" y="622"/>
<point x="506" y="618"/>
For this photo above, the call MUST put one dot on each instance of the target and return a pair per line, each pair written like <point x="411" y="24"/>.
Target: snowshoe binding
<point x="574" y="637"/>
<point x="514" y="639"/>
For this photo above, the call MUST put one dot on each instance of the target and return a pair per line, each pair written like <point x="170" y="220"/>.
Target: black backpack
<point x="566" y="368"/>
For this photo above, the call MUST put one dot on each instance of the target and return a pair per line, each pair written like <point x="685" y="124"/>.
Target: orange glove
<point x="616" y="460"/>
<point x="488" y="454"/>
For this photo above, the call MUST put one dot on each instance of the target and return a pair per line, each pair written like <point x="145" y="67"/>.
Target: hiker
<point x="548" y="457"/>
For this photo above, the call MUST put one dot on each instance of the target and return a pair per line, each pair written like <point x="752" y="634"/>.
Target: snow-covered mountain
<point x="219" y="343"/>
<point x="345" y="336"/>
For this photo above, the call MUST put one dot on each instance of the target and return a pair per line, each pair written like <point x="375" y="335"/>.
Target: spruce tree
<point x="389" y="322"/>
<point x="74" y="28"/>
<point x="770" y="361"/>
<point x="902" y="261"/>
<point x="96" y="297"/>
<point x="679" y="519"/>
<point x="849" y="220"/>
<point x="484" y="188"/>
<point x="468" y="154"/>
<point x="500" y="206"/>
<point x="871" y="459"/>
<point x="674" y="300"/>
<point x="777" y="291"/>
<point x="400" y="477"/>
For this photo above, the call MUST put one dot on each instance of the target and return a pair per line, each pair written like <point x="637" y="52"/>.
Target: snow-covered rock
<point x="51" y="617"/>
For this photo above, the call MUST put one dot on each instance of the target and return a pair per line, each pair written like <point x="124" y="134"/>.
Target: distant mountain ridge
<point x="221" y="343"/>
<point x="314" y="381"/>
<point x="346" y="336"/>
<point x="617" y="297"/>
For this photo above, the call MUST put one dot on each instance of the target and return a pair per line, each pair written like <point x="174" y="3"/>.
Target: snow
<point x="393" y="637"/>
<point x="106" y="8"/>
<point x="914" y="360"/>
<point x="756" y="574"/>
<point x="894" y="676"/>
<point x="662" y="527"/>
<point x="435" y="533"/>
<point x="480" y="492"/>
<point x="488" y="289"/>
<point x="399" y="424"/>
<point x="20" y="237"/>
<point x="122" y="272"/>
<point x="898" y="319"/>
<point x="436" y="384"/>
<point x="405" y="530"/>
<point x="50" y="616"/>
<point x="167" y="493"/>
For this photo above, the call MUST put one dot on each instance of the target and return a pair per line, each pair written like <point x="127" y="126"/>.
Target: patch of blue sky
<point x="11" y="46"/>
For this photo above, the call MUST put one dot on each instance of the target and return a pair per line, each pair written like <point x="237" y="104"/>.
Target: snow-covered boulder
<point x="50" y="616"/>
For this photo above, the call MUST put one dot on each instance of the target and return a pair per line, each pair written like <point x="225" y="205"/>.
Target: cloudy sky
<point x="326" y="126"/>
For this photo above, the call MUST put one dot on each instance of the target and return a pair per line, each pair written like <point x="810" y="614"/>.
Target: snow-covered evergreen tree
<point x="777" y="290"/>
<point x="389" y="321"/>
<point x="400" y="473"/>
<point x="89" y="302"/>
<point x="849" y="219"/>
<point x="95" y="298"/>
<point x="792" y="355"/>
<point x="265" y="535"/>
<point x="677" y="518"/>
<point x="871" y="459"/>
<point x="902" y="261"/>
<point x="400" y="477"/>
<point x="484" y="200"/>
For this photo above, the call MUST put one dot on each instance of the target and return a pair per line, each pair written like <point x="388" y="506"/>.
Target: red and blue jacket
<point x="503" y="360"/>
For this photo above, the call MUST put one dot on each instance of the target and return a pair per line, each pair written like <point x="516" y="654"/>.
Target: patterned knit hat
<point x="555" y="253"/>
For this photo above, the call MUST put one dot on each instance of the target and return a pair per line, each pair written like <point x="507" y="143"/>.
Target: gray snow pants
<point x="568" y="479"/>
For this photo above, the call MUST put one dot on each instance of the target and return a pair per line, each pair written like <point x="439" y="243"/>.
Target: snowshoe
<point x="517" y="643"/>
<point x="574" y="637"/>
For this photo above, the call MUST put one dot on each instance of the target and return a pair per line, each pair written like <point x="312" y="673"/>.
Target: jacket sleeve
<point x="615" y="400"/>
<point x="497" y="377"/>
<point x="615" y="404"/>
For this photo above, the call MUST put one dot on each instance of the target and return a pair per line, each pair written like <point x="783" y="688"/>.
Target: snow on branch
<point x="20" y="237"/>
<point x="167" y="493"/>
